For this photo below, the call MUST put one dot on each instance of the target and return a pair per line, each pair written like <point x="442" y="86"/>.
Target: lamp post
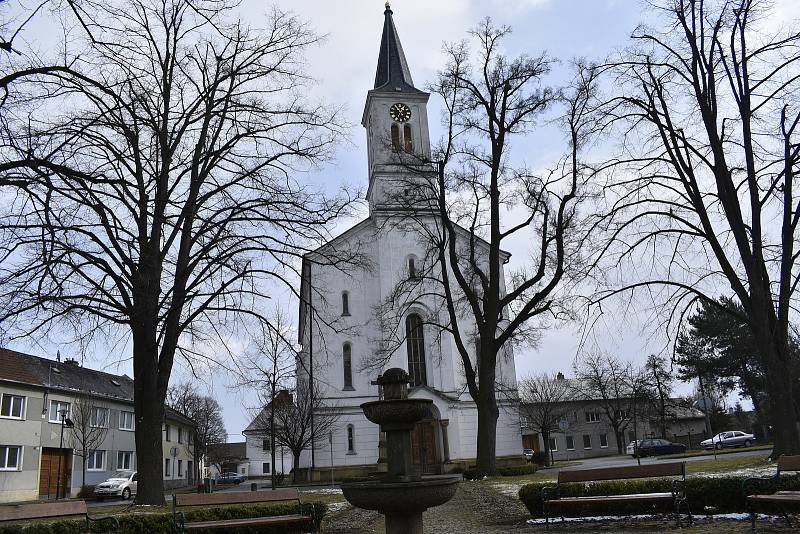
<point x="65" y="422"/>
<point x="330" y="443"/>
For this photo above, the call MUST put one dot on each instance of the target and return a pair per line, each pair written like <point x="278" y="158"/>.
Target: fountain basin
<point x="401" y="497"/>
<point x="396" y="411"/>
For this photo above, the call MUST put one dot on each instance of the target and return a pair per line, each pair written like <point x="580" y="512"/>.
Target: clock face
<point x="400" y="113"/>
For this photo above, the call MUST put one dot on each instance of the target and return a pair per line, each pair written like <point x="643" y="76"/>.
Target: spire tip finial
<point x="388" y="6"/>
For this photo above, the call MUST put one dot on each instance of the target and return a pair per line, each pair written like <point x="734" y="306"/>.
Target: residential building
<point x="345" y="329"/>
<point x="40" y="456"/>
<point x="258" y="444"/>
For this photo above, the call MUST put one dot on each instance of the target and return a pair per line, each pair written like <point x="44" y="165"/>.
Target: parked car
<point x="121" y="484"/>
<point x="656" y="446"/>
<point x="230" y="478"/>
<point x="631" y="448"/>
<point x="528" y="453"/>
<point x="732" y="438"/>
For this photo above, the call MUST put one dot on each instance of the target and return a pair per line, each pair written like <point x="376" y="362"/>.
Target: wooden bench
<point x="53" y="510"/>
<point x="779" y="499"/>
<point x="552" y="500"/>
<point x="191" y="500"/>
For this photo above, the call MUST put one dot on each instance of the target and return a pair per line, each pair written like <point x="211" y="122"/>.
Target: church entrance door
<point x="424" y="451"/>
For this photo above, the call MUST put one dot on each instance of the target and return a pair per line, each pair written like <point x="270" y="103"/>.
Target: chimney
<point x="560" y="376"/>
<point x="71" y="361"/>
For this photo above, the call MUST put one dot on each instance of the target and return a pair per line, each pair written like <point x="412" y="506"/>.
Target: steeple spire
<point x="392" y="73"/>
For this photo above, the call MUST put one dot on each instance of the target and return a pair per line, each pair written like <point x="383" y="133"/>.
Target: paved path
<point x="617" y="461"/>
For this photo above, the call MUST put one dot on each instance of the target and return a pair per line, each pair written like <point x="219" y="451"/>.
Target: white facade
<point x="345" y="305"/>
<point x="259" y="458"/>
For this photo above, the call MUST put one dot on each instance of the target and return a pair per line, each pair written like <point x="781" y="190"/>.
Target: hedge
<point x="527" y="469"/>
<point x="705" y="494"/>
<point x="162" y="523"/>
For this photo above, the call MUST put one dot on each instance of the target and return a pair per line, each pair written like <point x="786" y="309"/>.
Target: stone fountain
<point x="402" y="494"/>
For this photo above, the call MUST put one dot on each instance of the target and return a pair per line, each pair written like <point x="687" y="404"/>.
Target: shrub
<point x="86" y="492"/>
<point x="527" y="469"/>
<point x="705" y="494"/>
<point x="472" y="474"/>
<point x="539" y="458"/>
<point x="162" y="523"/>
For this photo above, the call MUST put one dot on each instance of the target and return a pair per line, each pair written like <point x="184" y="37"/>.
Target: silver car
<point x="121" y="484"/>
<point x="732" y="438"/>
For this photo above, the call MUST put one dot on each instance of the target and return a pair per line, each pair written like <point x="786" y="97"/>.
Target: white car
<point x="631" y="448"/>
<point x="733" y="438"/>
<point x="121" y="484"/>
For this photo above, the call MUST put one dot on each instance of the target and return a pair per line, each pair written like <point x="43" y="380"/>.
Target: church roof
<point x="392" y="73"/>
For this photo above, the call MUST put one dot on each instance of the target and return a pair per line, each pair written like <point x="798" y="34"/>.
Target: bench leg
<point x="752" y="518"/>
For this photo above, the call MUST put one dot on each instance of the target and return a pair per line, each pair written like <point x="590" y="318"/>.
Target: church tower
<point x="395" y="117"/>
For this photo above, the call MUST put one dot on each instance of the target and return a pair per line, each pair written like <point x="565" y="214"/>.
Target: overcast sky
<point x="345" y="68"/>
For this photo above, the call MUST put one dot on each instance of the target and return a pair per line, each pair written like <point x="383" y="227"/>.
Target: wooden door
<point x="49" y="472"/>
<point x="423" y="446"/>
<point x="531" y="441"/>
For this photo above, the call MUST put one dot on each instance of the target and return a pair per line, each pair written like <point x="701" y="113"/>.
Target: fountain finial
<point x="395" y="383"/>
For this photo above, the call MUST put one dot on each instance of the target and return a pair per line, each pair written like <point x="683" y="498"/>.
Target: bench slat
<point x="789" y="463"/>
<point x="625" y="472"/>
<point x="16" y="512"/>
<point x="231" y="523"/>
<point x="617" y="498"/>
<point x="236" y="497"/>
<point x="778" y="497"/>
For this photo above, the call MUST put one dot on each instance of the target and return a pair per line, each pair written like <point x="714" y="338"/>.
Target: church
<point x="340" y="330"/>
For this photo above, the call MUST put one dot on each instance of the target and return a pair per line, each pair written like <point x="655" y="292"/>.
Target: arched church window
<point x="412" y="267"/>
<point x="347" y="365"/>
<point x="407" y="138"/>
<point x="395" y="137"/>
<point x="415" y="346"/>
<point x="351" y="439"/>
<point x="345" y="303"/>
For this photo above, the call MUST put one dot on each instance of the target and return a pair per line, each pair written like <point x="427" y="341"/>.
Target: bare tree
<point x="607" y="381"/>
<point x="205" y="411"/>
<point x="161" y="203"/>
<point x="710" y="111"/>
<point x="659" y="381"/>
<point x="456" y="202"/>
<point x="543" y="399"/>
<point x="90" y="417"/>
<point x="269" y="367"/>
<point x="297" y="421"/>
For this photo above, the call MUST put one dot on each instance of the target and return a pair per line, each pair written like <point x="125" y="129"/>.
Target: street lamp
<point x="65" y="422"/>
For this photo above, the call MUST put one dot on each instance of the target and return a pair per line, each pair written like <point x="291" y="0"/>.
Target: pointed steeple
<point x="392" y="73"/>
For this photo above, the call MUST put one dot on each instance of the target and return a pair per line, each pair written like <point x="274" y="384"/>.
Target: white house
<point x="340" y="331"/>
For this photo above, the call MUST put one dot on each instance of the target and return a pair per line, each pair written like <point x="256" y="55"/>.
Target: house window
<point x="351" y="440"/>
<point x="415" y="346"/>
<point x="167" y="433"/>
<point x="10" y="458"/>
<point x="345" y="303"/>
<point x="623" y="414"/>
<point x="570" y="443"/>
<point x="265" y="468"/>
<point x="180" y="435"/>
<point x="167" y="470"/>
<point x="98" y="417"/>
<point x="631" y="435"/>
<point x="592" y="417"/>
<point x="125" y="460"/>
<point x="265" y="445"/>
<point x="347" y="365"/>
<point x="96" y="461"/>
<point x="12" y="406"/>
<point x="395" y="137"/>
<point x="603" y="441"/>
<point x="553" y="444"/>
<point x="408" y="139"/>
<point x="587" y="441"/>
<point x="56" y="407"/>
<point x="125" y="420"/>
<point x="180" y="468"/>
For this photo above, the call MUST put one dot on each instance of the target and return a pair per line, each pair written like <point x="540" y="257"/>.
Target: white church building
<point x="339" y="328"/>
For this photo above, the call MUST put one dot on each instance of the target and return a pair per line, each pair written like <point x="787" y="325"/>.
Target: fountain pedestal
<point x="402" y="495"/>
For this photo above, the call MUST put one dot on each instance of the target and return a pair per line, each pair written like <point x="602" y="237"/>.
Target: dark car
<point x="654" y="447"/>
<point x="230" y="478"/>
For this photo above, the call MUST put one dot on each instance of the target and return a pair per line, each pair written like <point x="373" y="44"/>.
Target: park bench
<point x="54" y="510"/>
<point x="552" y="501"/>
<point x="194" y="500"/>
<point x="780" y="499"/>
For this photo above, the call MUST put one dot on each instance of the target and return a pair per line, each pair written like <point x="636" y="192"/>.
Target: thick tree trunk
<point x="149" y="409"/>
<point x="548" y="453"/>
<point x="488" y="413"/>
<point x="620" y="438"/>
<point x="783" y="415"/>
<point x="295" y="465"/>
